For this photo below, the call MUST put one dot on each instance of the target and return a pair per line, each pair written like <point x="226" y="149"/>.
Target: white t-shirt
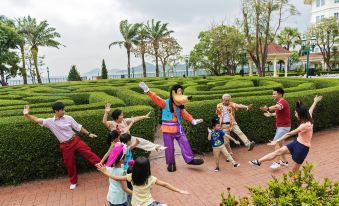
<point x="226" y="116"/>
<point x="142" y="193"/>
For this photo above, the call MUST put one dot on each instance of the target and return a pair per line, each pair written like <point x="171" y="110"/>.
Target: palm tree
<point x="289" y="38"/>
<point x="20" y="26"/>
<point x="39" y="34"/>
<point x="141" y="38"/>
<point x="156" y="31"/>
<point x="129" y="33"/>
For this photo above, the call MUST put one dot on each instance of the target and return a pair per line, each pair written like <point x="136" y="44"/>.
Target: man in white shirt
<point x="62" y="127"/>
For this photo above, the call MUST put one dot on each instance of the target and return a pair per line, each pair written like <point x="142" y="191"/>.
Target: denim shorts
<point x="281" y="131"/>
<point x="155" y="203"/>
<point x="298" y="151"/>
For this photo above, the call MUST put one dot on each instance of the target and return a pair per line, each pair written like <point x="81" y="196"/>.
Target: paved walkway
<point x="202" y="182"/>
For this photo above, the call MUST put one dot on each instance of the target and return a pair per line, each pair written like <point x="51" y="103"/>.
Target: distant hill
<point x="138" y="69"/>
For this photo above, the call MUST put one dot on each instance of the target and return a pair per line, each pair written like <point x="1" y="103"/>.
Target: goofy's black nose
<point x="189" y="97"/>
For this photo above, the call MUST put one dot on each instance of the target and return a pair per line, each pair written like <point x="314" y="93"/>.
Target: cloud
<point x="87" y="27"/>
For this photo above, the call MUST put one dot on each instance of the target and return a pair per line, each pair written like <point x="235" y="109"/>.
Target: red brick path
<point x="202" y="182"/>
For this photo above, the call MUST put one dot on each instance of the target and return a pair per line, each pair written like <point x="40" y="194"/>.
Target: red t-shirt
<point x="283" y="115"/>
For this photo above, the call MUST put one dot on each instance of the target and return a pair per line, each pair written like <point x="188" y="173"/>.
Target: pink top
<point x="62" y="127"/>
<point x="305" y="133"/>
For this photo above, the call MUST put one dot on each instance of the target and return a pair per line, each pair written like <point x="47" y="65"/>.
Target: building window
<point x="322" y="2"/>
<point x="336" y="1"/>
<point x="336" y="15"/>
<point x="322" y="17"/>
<point x="318" y="3"/>
<point x="317" y="19"/>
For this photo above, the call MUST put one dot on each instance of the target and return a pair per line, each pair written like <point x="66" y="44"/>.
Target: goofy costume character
<point x="173" y="113"/>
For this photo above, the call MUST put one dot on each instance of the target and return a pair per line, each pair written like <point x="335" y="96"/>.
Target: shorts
<point x="281" y="131"/>
<point x="298" y="151"/>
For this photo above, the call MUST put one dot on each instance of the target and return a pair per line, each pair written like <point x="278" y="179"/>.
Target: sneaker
<point x="160" y="149"/>
<point x="284" y="164"/>
<point x="275" y="165"/>
<point x="236" y="165"/>
<point x="72" y="186"/>
<point x="227" y="160"/>
<point x="216" y="169"/>
<point x="250" y="147"/>
<point x="254" y="162"/>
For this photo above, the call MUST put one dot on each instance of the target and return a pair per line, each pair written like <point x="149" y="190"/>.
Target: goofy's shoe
<point x="196" y="162"/>
<point x="171" y="167"/>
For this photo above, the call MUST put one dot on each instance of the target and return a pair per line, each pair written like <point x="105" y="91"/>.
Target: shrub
<point x="28" y="142"/>
<point x="297" y="189"/>
<point x="42" y="99"/>
<point x="104" y="98"/>
<point x="74" y="75"/>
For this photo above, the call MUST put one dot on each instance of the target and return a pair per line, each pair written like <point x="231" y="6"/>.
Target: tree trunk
<point x="143" y="64"/>
<point x="34" y="51"/>
<point x="3" y="80"/>
<point x="128" y="63"/>
<point x="164" y="70"/>
<point x="156" y="63"/>
<point x="23" y="69"/>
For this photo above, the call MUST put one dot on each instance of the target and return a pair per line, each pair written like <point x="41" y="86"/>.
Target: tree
<point x="142" y="42"/>
<point x="103" y="70"/>
<point x="258" y="22"/>
<point x="326" y="33"/>
<point x="157" y="31"/>
<point x="39" y="34"/>
<point x="20" y="26"/>
<point x="168" y="47"/>
<point x="74" y="74"/>
<point x="289" y="38"/>
<point x="9" y="40"/>
<point x="129" y="33"/>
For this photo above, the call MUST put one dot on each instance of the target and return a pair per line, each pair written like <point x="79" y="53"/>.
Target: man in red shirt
<point x="281" y="110"/>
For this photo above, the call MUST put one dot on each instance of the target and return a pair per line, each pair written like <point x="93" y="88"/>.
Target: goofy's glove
<point x="143" y="86"/>
<point x="197" y="121"/>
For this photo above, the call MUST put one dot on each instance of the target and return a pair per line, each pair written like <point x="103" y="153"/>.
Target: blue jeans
<point x="123" y="204"/>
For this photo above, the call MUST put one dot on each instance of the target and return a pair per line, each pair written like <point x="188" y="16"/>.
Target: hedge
<point x="29" y="151"/>
<point x="12" y="102"/>
<point x="42" y="99"/>
<point x="96" y="97"/>
<point x="67" y="102"/>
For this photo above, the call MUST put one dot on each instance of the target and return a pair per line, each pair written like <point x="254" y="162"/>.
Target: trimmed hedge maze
<point x="28" y="151"/>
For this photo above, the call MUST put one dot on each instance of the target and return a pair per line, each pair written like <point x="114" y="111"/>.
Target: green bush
<point x="42" y="99"/>
<point x="297" y="189"/>
<point x="12" y="102"/>
<point x="95" y="97"/>
<point x="28" y="142"/>
<point x="67" y="102"/>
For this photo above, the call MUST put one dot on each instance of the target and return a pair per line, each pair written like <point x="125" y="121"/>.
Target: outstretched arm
<point x="286" y="136"/>
<point x="138" y="118"/>
<point x="170" y="187"/>
<point x="242" y="106"/>
<point x="125" y="188"/>
<point x="135" y="144"/>
<point x="31" y="117"/>
<point x="315" y="102"/>
<point x="271" y="108"/>
<point x="231" y="138"/>
<point x="156" y="99"/>
<point x="103" y="170"/>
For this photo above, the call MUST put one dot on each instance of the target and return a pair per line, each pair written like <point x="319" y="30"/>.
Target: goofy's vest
<point x="167" y="115"/>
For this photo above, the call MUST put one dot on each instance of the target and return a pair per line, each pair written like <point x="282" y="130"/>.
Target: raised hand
<point x="92" y="135"/>
<point x="143" y="86"/>
<point x="267" y="114"/>
<point x="26" y="110"/>
<point x="197" y="121"/>
<point x="184" y="192"/>
<point x="264" y="108"/>
<point x="318" y="98"/>
<point x="250" y="106"/>
<point x="108" y="107"/>
<point x="272" y="143"/>
<point x="209" y="130"/>
<point x="101" y="167"/>
<point x="147" y="115"/>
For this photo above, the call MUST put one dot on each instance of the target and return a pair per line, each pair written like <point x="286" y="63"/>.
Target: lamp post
<point x="133" y="72"/>
<point x="243" y="57"/>
<point x="49" y="81"/>
<point x="307" y="45"/>
<point x="187" y="61"/>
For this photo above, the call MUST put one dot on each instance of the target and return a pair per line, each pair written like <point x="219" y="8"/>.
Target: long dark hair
<point x="141" y="171"/>
<point x="175" y="88"/>
<point x="303" y="113"/>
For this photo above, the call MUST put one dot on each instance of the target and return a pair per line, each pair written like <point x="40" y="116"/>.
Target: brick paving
<point x="202" y="182"/>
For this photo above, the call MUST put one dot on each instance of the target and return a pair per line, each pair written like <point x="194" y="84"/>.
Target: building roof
<point x="274" y="48"/>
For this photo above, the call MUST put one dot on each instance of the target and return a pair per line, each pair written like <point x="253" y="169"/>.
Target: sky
<point x="87" y="27"/>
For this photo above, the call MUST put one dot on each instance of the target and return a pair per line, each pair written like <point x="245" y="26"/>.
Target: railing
<point x="13" y="82"/>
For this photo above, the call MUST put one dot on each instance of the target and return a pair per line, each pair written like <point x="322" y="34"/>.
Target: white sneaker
<point x="72" y="186"/>
<point x="284" y="164"/>
<point x="275" y="165"/>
